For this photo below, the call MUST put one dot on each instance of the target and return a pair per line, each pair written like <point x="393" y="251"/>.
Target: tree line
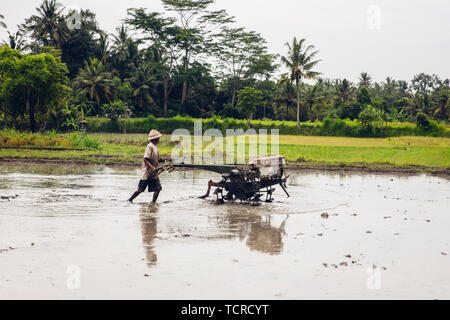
<point x="60" y="67"/>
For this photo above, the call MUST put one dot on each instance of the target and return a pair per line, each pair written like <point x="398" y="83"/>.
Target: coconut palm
<point x="2" y="24"/>
<point x="103" y="47"/>
<point x="300" y="61"/>
<point x="418" y="103"/>
<point x="94" y="81"/>
<point x="443" y="110"/>
<point x="286" y="92"/>
<point x="121" y="40"/>
<point x="125" y="52"/>
<point x="15" y="41"/>
<point x="389" y="86"/>
<point x="365" y="80"/>
<point x="344" y="90"/>
<point x="48" y="26"/>
<point x="142" y="82"/>
<point x="313" y="95"/>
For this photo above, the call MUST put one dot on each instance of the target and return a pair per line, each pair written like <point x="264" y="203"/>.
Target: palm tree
<point x="94" y="81"/>
<point x="300" y="62"/>
<point x="121" y="41"/>
<point x="286" y="92"/>
<point x="418" y="103"/>
<point x="142" y="81"/>
<point x="48" y="26"/>
<point x="125" y="52"/>
<point x="15" y="41"/>
<point x="403" y="88"/>
<point x="389" y="86"/>
<point x="103" y="47"/>
<point x="2" y="24"/>
<point x="365" y="80"/>
<point x="344" y="90"/>
<point x="313" y="95"/>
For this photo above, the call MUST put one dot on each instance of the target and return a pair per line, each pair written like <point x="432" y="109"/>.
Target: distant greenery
<point x="51" y="139"/>
<point x="416" y="153"/>
<point x="32" y="85"/>
<point x="115" y="109"/>
<point x="191" y="60"/>
<point x="327" y="127"/>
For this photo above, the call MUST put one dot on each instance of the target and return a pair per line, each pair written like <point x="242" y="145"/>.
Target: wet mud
<point x="339" y="236"/>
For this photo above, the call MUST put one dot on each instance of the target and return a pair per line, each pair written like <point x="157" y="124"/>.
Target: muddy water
<point x="71" y="234"/>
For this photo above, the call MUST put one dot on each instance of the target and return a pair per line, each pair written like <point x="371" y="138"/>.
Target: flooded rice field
<point x="68" y="233"/>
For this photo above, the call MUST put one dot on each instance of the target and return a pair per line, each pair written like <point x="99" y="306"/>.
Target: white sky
<point x="410" y="36"/>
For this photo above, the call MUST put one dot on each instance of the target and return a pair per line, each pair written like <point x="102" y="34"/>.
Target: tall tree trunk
<point x="30" y="109"/>
<point x="287" y="110"/>
<point x="233" y="96"/>
<point x="5" y="118"/>
<point x="278" y="106"/>
<point x="249" y="119"/>
<point x="184" y="93"/>
<point x="298" y="105"/>
<point x="166" y="96"/>
<point x="186" y="67"/>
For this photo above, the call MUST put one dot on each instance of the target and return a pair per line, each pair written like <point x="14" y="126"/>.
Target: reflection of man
<point x="149" y="178"/>
<point x="149" y="230"/>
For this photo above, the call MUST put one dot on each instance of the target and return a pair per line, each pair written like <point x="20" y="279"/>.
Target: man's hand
<point x="150" y="166"/>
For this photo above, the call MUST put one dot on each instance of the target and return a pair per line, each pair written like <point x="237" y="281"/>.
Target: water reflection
<point x="149" y="223"/>
<point x="258" y="231"/>
<point x="264" y="237"/>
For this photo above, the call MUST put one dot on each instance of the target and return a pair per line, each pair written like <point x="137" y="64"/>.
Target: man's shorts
<point x="153" y="185"/>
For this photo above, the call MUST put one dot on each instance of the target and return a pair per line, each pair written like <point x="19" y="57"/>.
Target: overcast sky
<point x="397" y="38"/>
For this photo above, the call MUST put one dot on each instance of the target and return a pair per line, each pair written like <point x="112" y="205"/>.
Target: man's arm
<point x="147" y="160"/>
<point x="148" y="164"/>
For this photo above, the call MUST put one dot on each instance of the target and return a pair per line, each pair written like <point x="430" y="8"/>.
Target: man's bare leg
<point x="210" y="184"/>
<point x="134" y="196"/>
<point x="155" y="196"/>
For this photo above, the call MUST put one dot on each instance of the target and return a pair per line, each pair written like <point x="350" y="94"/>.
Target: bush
<point x="349" y="110"/>
<point x="115" y="109"/>
<point x="426" y="126"/>
<point x="370" y="117"/>
<point x="329" y="127"/>
<point x="422" y="122"/>
<point x="12" y="138"/>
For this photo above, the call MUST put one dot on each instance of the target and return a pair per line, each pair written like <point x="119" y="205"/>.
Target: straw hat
<point x="154" y="134"/>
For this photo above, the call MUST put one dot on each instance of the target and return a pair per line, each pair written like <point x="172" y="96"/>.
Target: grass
<point x="421" y="153"/>
<point x="328" y="127"/>
<point x="51" y="139"/>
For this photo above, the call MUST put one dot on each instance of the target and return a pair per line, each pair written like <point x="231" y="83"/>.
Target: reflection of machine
<point x="246" y="182"/>
<point x="264" y="237"/>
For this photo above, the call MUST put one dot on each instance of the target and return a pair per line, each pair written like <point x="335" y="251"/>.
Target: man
<point x="150" y="166"/>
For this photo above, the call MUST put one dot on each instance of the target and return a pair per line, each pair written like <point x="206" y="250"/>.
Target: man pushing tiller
<point x="150" y="165"/>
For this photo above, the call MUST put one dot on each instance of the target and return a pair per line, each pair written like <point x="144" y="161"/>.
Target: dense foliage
<point x="327" y="127"/>
<point x="190" y="60"/>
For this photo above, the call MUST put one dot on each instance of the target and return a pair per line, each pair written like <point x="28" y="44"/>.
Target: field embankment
<point x="408" y="154"/>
